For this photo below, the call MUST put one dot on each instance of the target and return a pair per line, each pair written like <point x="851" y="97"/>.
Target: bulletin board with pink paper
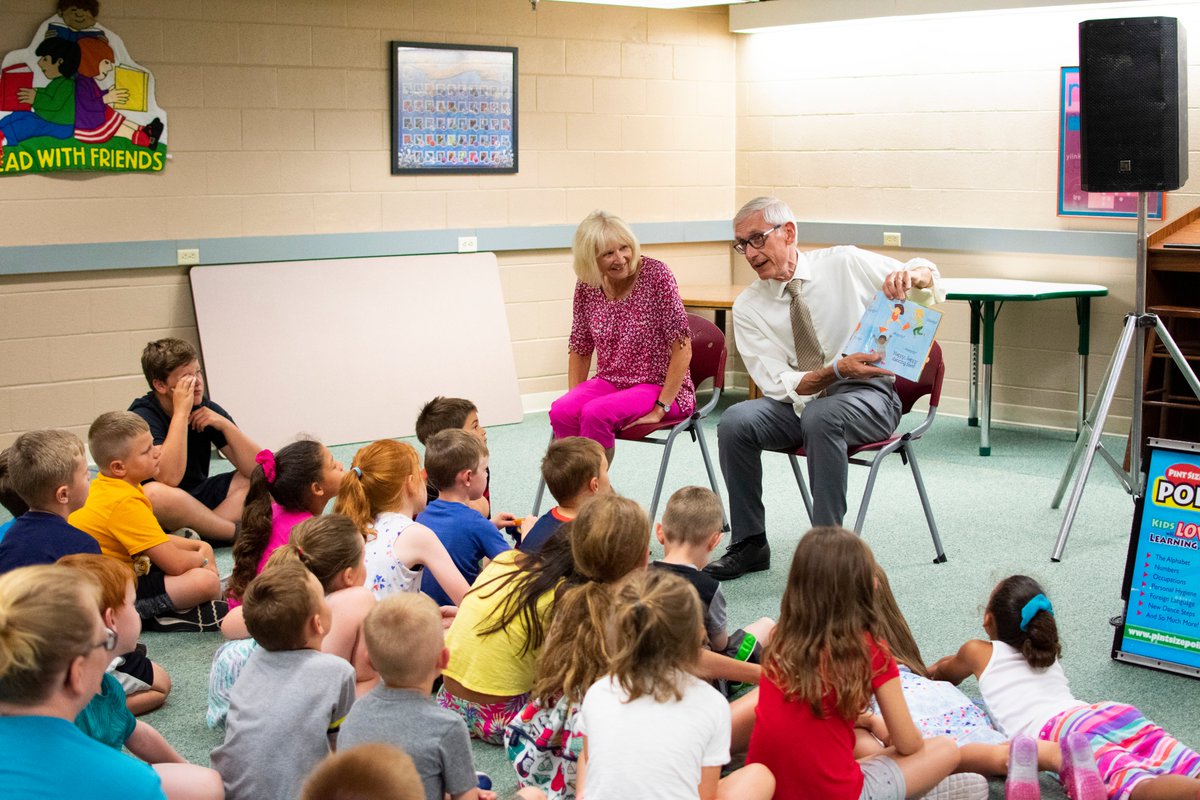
<point x="1073" y="201"/>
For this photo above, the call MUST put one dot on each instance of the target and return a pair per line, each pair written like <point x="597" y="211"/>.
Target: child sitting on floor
<point x="691" y="528"/>
<point x="290" y="699"/>
<point x="372" y="771"/>
<point x="450" y="413"/>
<point x="1106" y="748"/>
<point x="820" y="669"/>
<point x="330" y="547"/>
<point x="383" y="492"/>
<point x="48" y="473"/>
<point x="106" y="718"/>
<point x="650" y="698"/>
<point x="178" y="587"/>
<point x="574" y="469"/>
<point x="404" y="639"/>
<point x="497" y="635"/>
<point x="609" y="539"/>
<point x="286" y="488"/>
<point x="457" y="462"/>
<point x="144" y="684"/>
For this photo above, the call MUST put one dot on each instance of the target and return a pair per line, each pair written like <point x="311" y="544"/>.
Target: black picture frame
<point x="454" y="109"/>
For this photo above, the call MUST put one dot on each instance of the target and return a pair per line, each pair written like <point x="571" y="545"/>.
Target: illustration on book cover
<point x="900" y="331"/>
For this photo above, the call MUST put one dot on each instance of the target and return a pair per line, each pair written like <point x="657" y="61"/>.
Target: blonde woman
<point x="627" y="311"/>
<point x="54" y="649"/>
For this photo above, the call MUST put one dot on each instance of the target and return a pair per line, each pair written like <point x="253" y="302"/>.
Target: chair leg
<point x="933" y="531"/>
<point x="866" y="498"/>
<point x="537" y="497"/>
<point x="808" y="508"/>
<point x="662" y="474"/>
<point x="698" y="432"/>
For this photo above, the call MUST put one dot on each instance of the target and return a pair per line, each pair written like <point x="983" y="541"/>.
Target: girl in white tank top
<point x="1026" y="690"/>
<point x="382" y="491"/>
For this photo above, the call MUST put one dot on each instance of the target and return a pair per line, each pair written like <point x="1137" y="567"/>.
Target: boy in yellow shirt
<point x="178" y="587"/>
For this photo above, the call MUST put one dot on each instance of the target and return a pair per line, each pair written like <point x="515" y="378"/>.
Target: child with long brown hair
<point x="383" y="491"/>
<point x="825" y="660"/>
<point x="286" y="488"/>
<point x="940" y="709"/>
<point x="1106" y="748"/>
<point x="497" y="635"/>
<point x="609" y="539"/>
<point x="650" y="697"/>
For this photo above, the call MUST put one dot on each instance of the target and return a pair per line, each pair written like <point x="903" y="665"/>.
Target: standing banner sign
<point x="75" y="100"/>
<point x="1161" y="627"/>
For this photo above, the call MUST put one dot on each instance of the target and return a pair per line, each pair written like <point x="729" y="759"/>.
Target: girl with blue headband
<point x="1107" y="749"/>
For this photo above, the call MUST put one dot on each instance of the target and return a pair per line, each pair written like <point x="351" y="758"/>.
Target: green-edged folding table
<point x="987" y="296"/>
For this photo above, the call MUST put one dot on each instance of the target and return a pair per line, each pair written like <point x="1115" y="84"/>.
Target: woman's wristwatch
<point x="666" y="408"/>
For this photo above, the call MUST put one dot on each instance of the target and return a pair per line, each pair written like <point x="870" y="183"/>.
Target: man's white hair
<point x="774" y="211"/>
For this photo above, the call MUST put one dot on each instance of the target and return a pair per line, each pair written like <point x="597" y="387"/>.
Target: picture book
<point x="137" y="82"/>
<point x="901" y="330"/>
<point x="12" y="80"/>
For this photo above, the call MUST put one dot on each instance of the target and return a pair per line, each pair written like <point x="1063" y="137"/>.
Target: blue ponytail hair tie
<point x="357" y="471"/>
<point x="1038" y="602"/>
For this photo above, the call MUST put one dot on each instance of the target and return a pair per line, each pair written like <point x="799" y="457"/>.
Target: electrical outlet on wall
<point x="891" y="238"/>
<point x="468" y="244"/>
<point x="187" y="256"/>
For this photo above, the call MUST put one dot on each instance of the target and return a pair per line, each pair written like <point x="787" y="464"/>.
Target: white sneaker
<point x="962" y="786"/>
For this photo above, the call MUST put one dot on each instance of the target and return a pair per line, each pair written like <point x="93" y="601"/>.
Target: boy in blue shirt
<point x="47" y="470"/>
<point x="575" y="469"/>
<point x="457" y="461"/>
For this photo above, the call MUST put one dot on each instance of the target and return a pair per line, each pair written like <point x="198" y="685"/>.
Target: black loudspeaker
<point x="1133" y="98"/>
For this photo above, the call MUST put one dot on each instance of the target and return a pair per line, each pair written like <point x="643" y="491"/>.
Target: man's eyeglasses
<point x="756" y="241"/>
<point x="110" y="640"/>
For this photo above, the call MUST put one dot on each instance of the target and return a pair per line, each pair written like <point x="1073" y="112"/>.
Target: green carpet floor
<point x="995" y="519"/>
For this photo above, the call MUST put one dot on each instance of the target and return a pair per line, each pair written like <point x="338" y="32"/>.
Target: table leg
<point x="719" y="318"/>
<point x="973" y="385"/>
<point x="989" y="340"/>
<point x="1083" y="316"/>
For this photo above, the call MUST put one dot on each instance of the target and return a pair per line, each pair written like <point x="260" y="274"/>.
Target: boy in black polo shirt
<point x="187" y="425"/>
<point x="690" y="530"/>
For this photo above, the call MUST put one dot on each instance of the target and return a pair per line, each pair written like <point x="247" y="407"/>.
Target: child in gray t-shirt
<point x="290" y="698"/>
<point x="405" y="642"/>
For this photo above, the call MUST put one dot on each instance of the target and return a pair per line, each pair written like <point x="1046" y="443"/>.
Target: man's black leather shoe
<point x="740" y="558"/>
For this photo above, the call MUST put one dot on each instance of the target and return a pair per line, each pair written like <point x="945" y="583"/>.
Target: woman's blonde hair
<point x="893" y="627"/>
<point x="599" y="232"/>
<point x="609" y="539"/>
<point x="47" y="620"/>
<point x="655" y="636"/>
<point x="375" y="481"/>
<point x="819" y="646"/>
<point x="326" y="546"/>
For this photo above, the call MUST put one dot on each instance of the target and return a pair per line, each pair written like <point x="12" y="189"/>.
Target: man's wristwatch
<point x="666" y="408"/>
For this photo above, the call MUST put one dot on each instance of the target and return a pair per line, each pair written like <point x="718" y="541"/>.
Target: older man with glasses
<point x="790" y="326"/>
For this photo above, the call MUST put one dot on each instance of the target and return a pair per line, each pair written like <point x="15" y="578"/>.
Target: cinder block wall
<point x="278" y="115"/>
<point x="950" y="120"/>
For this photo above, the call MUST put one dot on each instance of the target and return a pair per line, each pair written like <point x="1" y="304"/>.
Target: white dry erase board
<point x="348" y="350"/>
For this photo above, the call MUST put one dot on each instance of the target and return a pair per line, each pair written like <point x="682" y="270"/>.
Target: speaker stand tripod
<point x="1133" y="334"/>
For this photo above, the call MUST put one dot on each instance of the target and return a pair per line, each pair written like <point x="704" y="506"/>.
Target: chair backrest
<point x="708" y="352"/>
<point x="929" y="382"/>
